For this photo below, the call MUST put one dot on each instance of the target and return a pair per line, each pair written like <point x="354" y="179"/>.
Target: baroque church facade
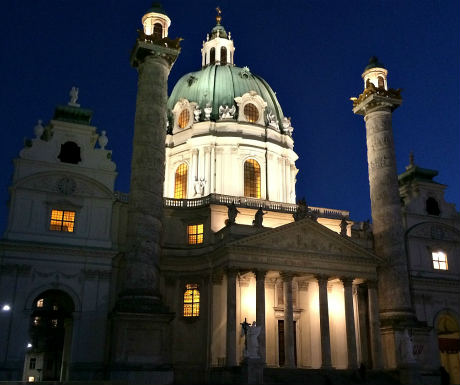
<point x="158" y="284"/>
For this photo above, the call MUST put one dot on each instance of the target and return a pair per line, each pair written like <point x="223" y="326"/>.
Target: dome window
<point x="157" y="31"/>
<point x="180" y="181"/>
<point x="251" y="179"/>
<point x="212" y="56"/>
<point x="184" y="118"/>
<point x="223" y="56"/>
<point x="251" y="113"/>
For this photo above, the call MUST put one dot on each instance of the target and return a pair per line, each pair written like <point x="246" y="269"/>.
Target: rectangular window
<point x="32" y="363"/>
<point x="195" y="234"/>
<point x="31" y="379"/>
<point x="439" y="260"/>
<point x="62" y="221"/>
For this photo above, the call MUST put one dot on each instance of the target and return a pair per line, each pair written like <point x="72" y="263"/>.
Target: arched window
<point x="368" y="83"/>
<point x="184" y="118"/>
<point x="70" y="153"/>
<point x="223" y="55"/>
<point x="439" y="260"/>
<point x="212" y="58"/>
<point x="381" y="82"/>
<point x="157" y="31"/>
<point x="180" y="181"/>
<point x="191" y="300"/>
<point x="251" y="113"/>
<point x="251" y="179"/>
<point x="432" y="207"/>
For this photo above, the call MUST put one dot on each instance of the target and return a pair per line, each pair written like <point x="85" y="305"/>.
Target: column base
<point x="141" y="347"/>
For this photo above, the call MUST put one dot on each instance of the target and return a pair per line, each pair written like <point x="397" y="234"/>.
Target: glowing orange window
<point x="251" y="179"/>
<point x="180" y="181"/>
<point x="195" y="234"/>
<point x="191" y="300"/>
<point x="62" y="221"/>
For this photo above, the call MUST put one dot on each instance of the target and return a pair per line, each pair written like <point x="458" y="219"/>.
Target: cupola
<point x="156" y="22"/>
<point x="218" y="48"/>
<point x="375" y="73"/>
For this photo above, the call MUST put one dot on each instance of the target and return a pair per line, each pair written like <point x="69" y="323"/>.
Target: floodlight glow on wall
<point x="6" y="307"/>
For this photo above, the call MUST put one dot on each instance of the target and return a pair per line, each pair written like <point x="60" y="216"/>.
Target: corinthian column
<point x="231" y="317"/>
<point x="350" y="323"/>
<point x="324" y="322"/>
<point x="260" y="310"/>
<point x="289" y="345"/>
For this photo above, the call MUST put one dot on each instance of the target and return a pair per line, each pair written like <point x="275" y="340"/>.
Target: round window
<point x="184" y="118"/>
<point x="251" y="113"/>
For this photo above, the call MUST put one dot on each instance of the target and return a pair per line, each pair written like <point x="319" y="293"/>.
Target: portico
<point x="309" y="315"/>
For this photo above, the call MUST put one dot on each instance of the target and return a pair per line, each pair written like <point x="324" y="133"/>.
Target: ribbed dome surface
<point x="219" y="85"/>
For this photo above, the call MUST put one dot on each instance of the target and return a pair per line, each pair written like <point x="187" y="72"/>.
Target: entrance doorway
<point x="50" y="334"/>
<point x="449" y="346"/>
<point x="281" y="353"/>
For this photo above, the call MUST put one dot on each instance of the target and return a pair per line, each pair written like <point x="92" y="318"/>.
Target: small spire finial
<point x="411" y="159"/>
<point x="218" y="17"/>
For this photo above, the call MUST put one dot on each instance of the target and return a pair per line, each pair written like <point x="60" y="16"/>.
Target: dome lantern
<point x="375" y="73"/>
<point x="156" y="22"/>
<point x="218" y="48"/>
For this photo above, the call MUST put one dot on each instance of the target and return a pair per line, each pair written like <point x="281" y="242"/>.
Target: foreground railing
<point x="246" y="202"/>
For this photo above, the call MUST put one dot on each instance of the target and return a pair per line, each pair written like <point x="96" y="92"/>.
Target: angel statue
<point x="197" y="113"/>
<point x="272" y="121"/>
<point x="287" y="126"/>
<point x="226" y="112"/>
<point x="207" y="111"/>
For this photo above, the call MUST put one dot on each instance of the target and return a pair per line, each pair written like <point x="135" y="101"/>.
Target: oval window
<point x="184" y="118"/>
<point x="251" y="113"/>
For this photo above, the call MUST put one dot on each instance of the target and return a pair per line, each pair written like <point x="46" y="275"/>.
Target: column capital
<point x="287" y="276"/>
<point x="194" y="151"/>
<point x="322" y="278"/>
<point x="260" y="273"/>
<point x="347" y="281"/>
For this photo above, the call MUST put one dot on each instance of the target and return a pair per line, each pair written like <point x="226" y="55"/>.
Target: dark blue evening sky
<point x="312" y="53"/>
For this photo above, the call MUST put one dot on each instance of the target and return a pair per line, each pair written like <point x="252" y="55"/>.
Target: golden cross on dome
<point x="218" y="17"/>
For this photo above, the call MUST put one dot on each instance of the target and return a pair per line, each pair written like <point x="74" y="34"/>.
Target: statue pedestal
<point x="141" y="352"/>
<point x="252" y="371"/>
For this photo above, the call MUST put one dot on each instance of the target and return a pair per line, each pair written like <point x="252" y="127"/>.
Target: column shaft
<point x="350" y="323"/>
<point x="231" y="318"/>
<point x="324" y="322"/>
<point x="260" y="311"/>
<point x="374" y="326"/>
<point x="289" y="342"/>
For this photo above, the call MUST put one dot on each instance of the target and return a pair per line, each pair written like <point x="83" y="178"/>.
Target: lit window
<point x="32" y="363"/>
<point x="62" y="221"/>
<point x="195" y="234"/>
<point x="251" y="179"/>
<point x="191" y="300"/>
<point x="439" y="260"/>
<point x="40" y="302"/>
<point x="184" y="118"/>
<point x="251" y="113"/>
<point x="31" y="379"/>
<point x="180" y="181"/>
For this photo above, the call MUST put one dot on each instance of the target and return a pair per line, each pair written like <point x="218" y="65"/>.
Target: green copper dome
<point x="157" y="8"/>
<point x="373" y="63"/>
<point x="220" y="85"/>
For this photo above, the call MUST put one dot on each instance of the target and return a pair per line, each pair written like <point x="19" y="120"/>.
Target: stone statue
<point x="343" y="227"/>
<point x="73" y="96"/>
<point x="287" y="128"/>
<point x="225" y="112"/>
<point x="197" y="113"/>
<point x="103" y="140"/>
<point x="198" y="186"/>
<point x="406" y="348"/>
<point x="252" y="346"/>
<point x="39" y="129"/>
<point x="301" y="211"/>
<point x="272" y="121"/>
<point x="232" y="213"/>
<point x="207" y="111"/>
<point x="259" y="218"/>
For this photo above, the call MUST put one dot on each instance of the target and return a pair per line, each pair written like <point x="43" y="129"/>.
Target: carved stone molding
<point x="12" y="268"/>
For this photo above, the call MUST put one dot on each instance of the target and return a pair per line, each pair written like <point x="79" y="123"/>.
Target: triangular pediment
<point x="304" y="237"/>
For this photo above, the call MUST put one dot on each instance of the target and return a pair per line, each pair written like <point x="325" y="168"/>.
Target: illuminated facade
<point x="76" y="282"/>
